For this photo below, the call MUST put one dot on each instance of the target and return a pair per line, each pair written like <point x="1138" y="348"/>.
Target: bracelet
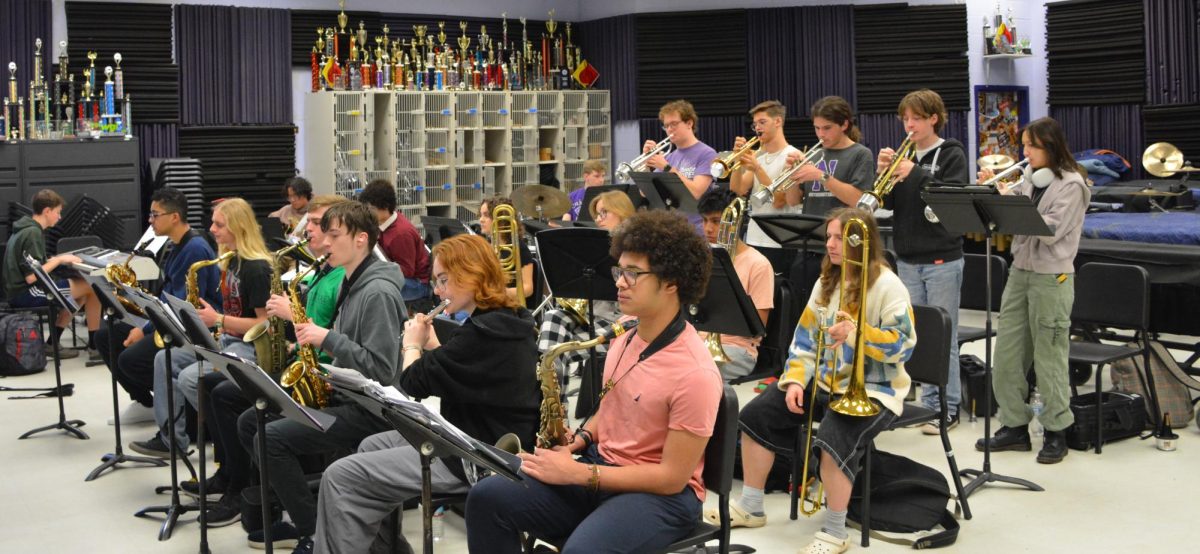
<point x="412" y="347"/>
<point x="594" y="480"/>
<point x="586" y="435"/>
<point x="221" y="322"/>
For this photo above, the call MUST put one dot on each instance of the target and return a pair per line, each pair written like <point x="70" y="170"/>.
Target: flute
<point x="438" y="309"/>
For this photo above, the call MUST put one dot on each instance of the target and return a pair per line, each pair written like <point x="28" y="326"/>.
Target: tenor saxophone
<point x="303" y="375"/>
<point x="552" y="429"/>
<point x="193" y="284"/>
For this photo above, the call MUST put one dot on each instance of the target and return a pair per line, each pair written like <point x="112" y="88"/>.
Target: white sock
<point x="752" y="500"/>
<point x="835" y="524"/>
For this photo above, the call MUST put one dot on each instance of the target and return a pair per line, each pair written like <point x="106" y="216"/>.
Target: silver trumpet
<point x="639" y="163"/>
<point x="783" y="182"/>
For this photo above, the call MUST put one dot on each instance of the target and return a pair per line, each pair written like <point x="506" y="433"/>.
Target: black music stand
<point x="429" y="436"/>
<point x="576" y="264"/>
<point x="172" y="334"/>
<point x="726" y="308"/>
<point x="55" y="299"/>
<point x="664" y="191"/>
<point x="590" y="193"/>
<point x="114" y="310"/>
<point x="988" y="214"/>
<point x="197" y="335"/>
<point x="793" y="231"/>
<point x="267" y="395"/>
<point x="438" y="229"/>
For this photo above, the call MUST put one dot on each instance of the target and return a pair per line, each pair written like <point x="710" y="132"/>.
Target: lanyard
<point x="346" y="286"/>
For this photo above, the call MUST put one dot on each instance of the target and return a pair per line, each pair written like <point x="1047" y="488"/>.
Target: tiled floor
<point x="1132" y="497"/>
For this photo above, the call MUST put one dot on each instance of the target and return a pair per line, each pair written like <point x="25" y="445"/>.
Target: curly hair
<point x="379" y="194"/>
<point x="715" y="201"/>
<point x="831" y="274"/>
<point x="676" y="253"/>
<point x="470" y="262"/>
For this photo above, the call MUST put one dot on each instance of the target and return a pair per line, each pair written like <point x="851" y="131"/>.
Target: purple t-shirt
<point x="694" y="161"/>
<point x="576" y="198"/>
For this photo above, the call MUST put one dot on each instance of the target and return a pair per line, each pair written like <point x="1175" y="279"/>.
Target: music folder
<point x="664" y="191"/>
<point x="255" y="383"/>
<point x="47" y="284"/>
<point x="105" y="289"/>
<point x="165" y="321"/>
<point x="196" y="331"/>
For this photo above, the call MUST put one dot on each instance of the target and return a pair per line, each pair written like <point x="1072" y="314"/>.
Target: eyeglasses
<point x="671" y="125"/>
<point x="630" y="274"/>
<point x="601" y="214"/>
<point x="156" y="215"/>
<point x="760" y="123"/>
<point x="440" y="282"/>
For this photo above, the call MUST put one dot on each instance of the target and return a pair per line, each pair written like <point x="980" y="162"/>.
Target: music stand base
<point x="172" y="512"/>
<point x="111" y="461"/>
<point x="982" y="478"/>
<point x="70" y="426"/>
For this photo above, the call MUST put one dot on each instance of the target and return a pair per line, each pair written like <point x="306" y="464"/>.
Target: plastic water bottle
<point x="1036" y="405"/>
<point x="438" y="517"/>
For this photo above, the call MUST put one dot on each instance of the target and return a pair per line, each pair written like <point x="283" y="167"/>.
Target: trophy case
<point x="446" y="150"/>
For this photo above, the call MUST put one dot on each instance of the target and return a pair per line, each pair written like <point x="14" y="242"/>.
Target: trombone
<point x="783" y="182"/>
<point x="730" y="160"/>
<point x="856" y="402"/>
<point x="815" y="501"/>
<point x="872" y="199"/>
<point x="638" y="164"/>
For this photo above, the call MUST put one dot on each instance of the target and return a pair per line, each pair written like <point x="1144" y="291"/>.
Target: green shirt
<point x="27" y="238"/>
<point x="322" y="299"/>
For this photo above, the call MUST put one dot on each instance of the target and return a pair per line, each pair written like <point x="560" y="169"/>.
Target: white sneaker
<point x="135" y="412"/>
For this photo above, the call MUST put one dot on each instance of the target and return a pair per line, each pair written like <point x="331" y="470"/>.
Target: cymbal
<point x="553" y="203"/>
<point x="1162" y="159"/>
<point x="996" y="162"/>
<point x="1152" y="192"/>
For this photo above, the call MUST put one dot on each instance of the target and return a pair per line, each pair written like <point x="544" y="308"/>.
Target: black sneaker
<point x="935" y="427"/>
<point x="216" y="486"/>
<point x="1054" y="449"/>
<point x="64" y="353"/>
<point x="153" y="447"/>
<point x="283" y="535"/>
<point x="227" y="512"/>
<point x="94" y="358"/>
<point x="1008" y="438"/>
<point x="304" y="546"/>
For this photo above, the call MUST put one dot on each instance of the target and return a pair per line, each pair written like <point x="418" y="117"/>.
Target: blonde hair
<point x="593" y="166"/>
<point x="247" y="235"/>
<point x="326" y="201"/>
<point x="616" y="202"/>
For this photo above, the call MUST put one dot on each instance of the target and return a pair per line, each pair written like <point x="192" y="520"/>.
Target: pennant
<point x="585" y="74"/>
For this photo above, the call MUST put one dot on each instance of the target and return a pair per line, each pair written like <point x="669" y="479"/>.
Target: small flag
<point x="1001" y="32"/>
<point x="585" y="74"/>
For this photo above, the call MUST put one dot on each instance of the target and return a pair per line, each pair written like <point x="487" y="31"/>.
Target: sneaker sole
<point x="282" y="543"/>
<point x="1042" y="460"/>
<point x="152" y="453"/>
<point x="227" y="522"/>
<point x="1009" y="448"/>
<point x="933" y="431"/>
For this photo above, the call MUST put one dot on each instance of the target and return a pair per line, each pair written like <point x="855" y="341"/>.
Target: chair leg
<point x="1099" y="409"/>
<point x="798" y="480"/>
<point x="866" y="502"/>
<point x="958" y="487"/>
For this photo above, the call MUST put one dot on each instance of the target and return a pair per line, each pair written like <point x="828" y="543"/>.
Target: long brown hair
<point x="1047" y="134"/>
<point x="837" y="110"/>
<point x="831" y="274"/>
<point x="470" y="262"/>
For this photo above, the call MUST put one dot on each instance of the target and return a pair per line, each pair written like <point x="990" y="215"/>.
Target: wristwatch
<point x="825" y="177"/>
<point x="667" y="168"/>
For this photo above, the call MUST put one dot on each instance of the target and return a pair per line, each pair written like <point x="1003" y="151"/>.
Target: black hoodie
<point x="485" y="376"/>
<point x="918" y="241"/>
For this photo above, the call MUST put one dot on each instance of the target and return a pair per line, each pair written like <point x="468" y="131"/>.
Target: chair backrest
<point x="769" y="353"/>
<point x="1113" y="295"/>
<point x="67" y="244"/>
<point x="785" y="302"/>
<point x="890" y="256"/>
<point x="930" y="360"/>
<point x="718" y="455"/>
<point x="974" y="284"/>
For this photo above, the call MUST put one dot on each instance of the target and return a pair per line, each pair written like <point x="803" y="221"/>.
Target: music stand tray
<point x="197" y="333"/>
<point x="665" y="191"/>
<point x="576" y="263"/>
<point x="791" y="230"/>
<point x="55" y="300"/>
<point x="438" y="229"/>
<point x="726" y="308"/>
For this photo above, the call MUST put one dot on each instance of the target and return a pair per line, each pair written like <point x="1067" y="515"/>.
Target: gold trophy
<point x="386" y="42"/>
<point x="441" y="33"/>
<point x="419" y="31"/>
<point x="342" y="18"/>
<point x="321" y="40"/>
<point x="551" y="24"/>
<point x="362" y="34"/>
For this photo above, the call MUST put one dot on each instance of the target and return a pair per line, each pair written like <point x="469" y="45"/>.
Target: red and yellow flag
<point x="585" y="74"/>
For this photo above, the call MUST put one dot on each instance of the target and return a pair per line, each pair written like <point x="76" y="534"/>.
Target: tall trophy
<point x="10" y="103"/>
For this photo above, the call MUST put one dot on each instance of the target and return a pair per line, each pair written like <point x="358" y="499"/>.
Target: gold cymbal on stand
<point x="540" y="201"/>
<point x="1163" y="159"/>
<point x="995" y="162"/>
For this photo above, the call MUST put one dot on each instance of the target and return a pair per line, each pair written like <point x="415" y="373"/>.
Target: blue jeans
<point x="938" y="285"/>
<point x="498" y="509"/>
<point x="414" y="289"/>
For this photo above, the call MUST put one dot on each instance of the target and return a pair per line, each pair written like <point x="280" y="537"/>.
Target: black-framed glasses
<point x="630" y="274"/>
<point x="156" y="215"/>
<point x="440" y="282"/>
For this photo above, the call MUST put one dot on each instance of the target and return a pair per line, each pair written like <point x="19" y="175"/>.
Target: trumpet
<point x="1019" y="166"/>
<point x="783" y="182"/>
<point x="638" y="164"/>
<point x="730" y="160"/>
<point x="872" y="199"/>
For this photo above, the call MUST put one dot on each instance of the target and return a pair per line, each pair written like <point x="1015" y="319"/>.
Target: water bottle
<point x="1036" y="405"/>
<point x="438" y="517"/>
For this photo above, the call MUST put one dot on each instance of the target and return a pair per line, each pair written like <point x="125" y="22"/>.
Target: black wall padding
<point x="1095" y="52"/>
<point x="142" y="34"/>
<point x="900" y="48"/>
<point x="697" y="56"/>
<point x="1173" y="52"/>
<point x="305" y="23"/>
<point x="1178" y="125"/>
<point x="251" y="162"/>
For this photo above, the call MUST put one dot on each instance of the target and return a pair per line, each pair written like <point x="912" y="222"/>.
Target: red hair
<point x="470" y="262"/>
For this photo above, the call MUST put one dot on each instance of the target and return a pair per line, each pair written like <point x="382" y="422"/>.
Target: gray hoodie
<point x="366" y="333"/>
<point x="1062" y="207"/>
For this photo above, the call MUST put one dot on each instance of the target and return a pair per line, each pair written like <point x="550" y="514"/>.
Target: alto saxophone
<point x="303" y="375"/>
<point x="193" y="284"/>
<point x="552" y="428"/>
<point x="270" y="337"/>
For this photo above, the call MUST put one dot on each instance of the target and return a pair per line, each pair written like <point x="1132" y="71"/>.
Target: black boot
<point x="1008" y="438"/>
<point x="1054" y="449"/>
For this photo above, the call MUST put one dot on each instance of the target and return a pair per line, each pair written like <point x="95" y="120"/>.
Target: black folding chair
<point x="1117" y="296"/>
<point x="773" y="350"/>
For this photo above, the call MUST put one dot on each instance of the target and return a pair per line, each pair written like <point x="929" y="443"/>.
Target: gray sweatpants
<point x="359" y="491"/>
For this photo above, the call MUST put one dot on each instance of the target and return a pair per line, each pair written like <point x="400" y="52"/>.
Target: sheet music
<point x="156" y="242"/>
<point x="392" y="396"/>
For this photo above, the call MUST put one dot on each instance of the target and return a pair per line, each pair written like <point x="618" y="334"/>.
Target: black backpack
<point x="22" y="349"/>
<point x="906" y="497"/>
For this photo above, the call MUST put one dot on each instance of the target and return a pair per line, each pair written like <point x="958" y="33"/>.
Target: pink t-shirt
<point x="758" y="278"/>
<point x="677" y="388"/>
